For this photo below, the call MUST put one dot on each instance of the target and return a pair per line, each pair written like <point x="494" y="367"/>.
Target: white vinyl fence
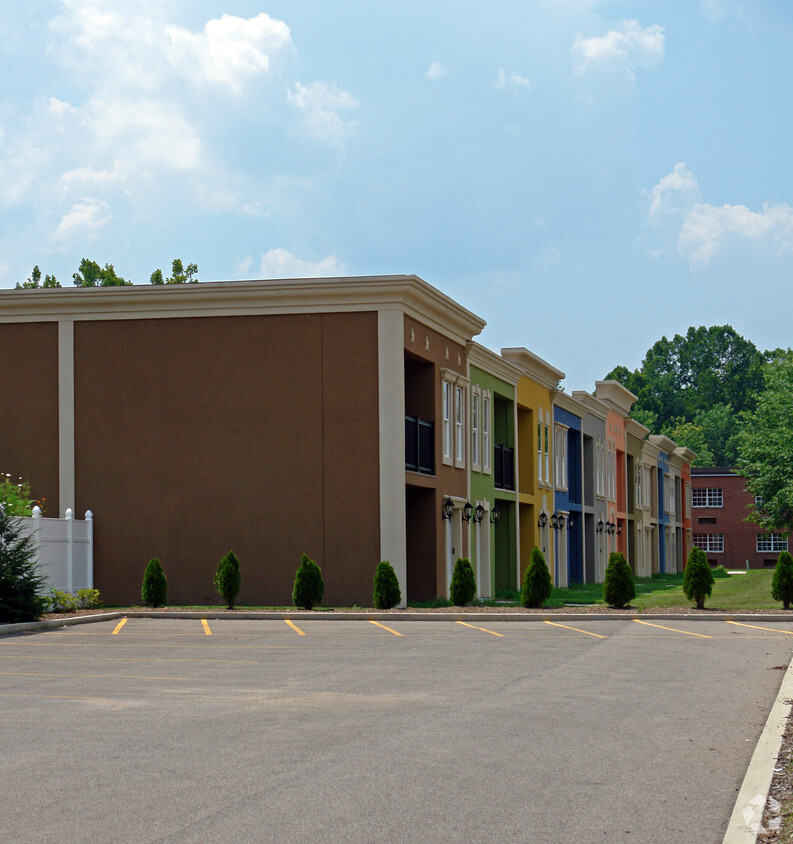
<point x="64" y="550"/>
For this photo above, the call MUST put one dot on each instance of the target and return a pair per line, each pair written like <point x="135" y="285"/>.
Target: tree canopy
<point x="766" y="446"/>
<point x="34" y="281"/>
<point x="179" y="274"/>
<point x="694" y="388"/>
<point x="91" y="274"/>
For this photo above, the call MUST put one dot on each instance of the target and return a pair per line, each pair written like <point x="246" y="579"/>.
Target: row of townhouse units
<point x="351" y="419"/>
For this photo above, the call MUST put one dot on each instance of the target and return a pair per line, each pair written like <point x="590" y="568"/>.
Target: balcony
<point x="419" y="445"/>
<point x="504" y="467"/>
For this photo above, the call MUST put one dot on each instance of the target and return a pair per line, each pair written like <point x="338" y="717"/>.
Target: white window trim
<point x="459" y="425"/>
<point x="776" y="543"/>
<point x="446" y="412"/>
<point x="476" y="423"/>
<point x="713" y="542"/>
<point x="560" y="457"/>
<point x="487" y="425"/>
<point x="710" y="496"/>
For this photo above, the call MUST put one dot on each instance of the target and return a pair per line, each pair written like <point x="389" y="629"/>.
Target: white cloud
<point x="628" y="47"/>
<point x="701" y="229"/>
<point x="512" y="80"/>
<point x="437" y="71"/>
<point x="230" y="49"/>
<point x="279" y="263"/>
<point x="321" y="104"/>
<point x="83" y="221"/>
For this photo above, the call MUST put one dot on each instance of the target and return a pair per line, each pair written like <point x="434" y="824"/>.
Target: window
<point x="560" y="457"/>
<point x="475" y="399"/>
<point x="485" y="433"/>
<point x="647" y="486"/>
<point x="758" y="501"/>
<point x="771" y="542"/>
<point x="547" y="453"/>
<point x="447" y="421"/>
<point x="459" y="426"/>
<point x="637" y="475"/>
<point x="707" y="498"/>
<point x="600" y="459"/>
<point x="710" y="542"/>
<point x="669" y="494"/>
<point x="539" y="449"/>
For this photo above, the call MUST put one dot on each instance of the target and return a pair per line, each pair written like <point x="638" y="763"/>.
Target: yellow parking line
<point x="483" y="629"/>
<point x="673" y="629"/>
<point x="577" y="629"/>
<point x="294" y="627"/>
<point x="755" y="627"/>
<point x="206" y="627"/>
<point x="118" y="627"/>
<point x="384" y="627"/>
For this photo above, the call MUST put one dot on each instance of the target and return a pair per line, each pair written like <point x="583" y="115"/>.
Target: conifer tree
<point x="697" y="578"/>
<point x="782" y="581"/>
<point x="536" y="587"/>
<point x="463" y="586"/>
<point x="309" y="586"/>
<point x="387" y="593"/>
<point x="155" y="584"/>
<point x="227" y="579"/>
<point x="619" y="588"/>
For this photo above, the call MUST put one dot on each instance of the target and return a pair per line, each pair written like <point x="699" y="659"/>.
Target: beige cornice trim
<point x="614" y="394"/>
<point x="685" y="455"/>
<point x="592" y="405"/>
<point x="568" y="403"/>
<point x="493" y="364"/>
<point x="533" y="366"/>
<point x="407" y="293"/>
<point x="663" y="442"/>
<point x="636" y="429"/>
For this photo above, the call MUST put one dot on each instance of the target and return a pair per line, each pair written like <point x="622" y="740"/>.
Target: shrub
<point x="155" y="584"/>
<point x="782" y="581"/>
<point x="720" y="571"/>
<point x="536" y="588"/>
<point x="387" y="593"/>
<point x="20" y="582"/>
<point x="697" y="578"/>
<point x="88" y="599"/>
<point x="463" y="586"/>
<point x="619" y="588"/>
<point x="15" y="497"/>
<point x="227" y="579"/>
<point x="61" y="601"/>
<point x="309" y="586"/>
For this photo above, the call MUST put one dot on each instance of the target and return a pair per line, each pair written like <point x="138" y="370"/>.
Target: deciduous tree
<point x="179" y="274"/>
<point x="90" y="274"/>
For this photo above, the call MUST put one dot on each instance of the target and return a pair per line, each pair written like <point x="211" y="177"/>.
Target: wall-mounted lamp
<point x="495" y="514"/>
<point x="448" y="509"/>
<point x="479" y="513"/>
<point x="557" y="521"/>
<point x="569" y="522"/>
<point x="543" y="520"/>
<point x="619" y="530"/>
<point x="467" y="510"/>
<point x="611" y="528"/>
<point x="600" y="525"/>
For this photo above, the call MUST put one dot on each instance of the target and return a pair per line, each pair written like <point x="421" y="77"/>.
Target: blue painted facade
<point x="571" y="499"/>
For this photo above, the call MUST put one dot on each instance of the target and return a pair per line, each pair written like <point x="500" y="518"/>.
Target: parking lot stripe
<point x="205" y="623"/>
<point x="673" y="629"/>
<point x="384" y="627"/>
<point x="483" y="629"/>
<point x="118" y="627"/>
<point x="577" y="629"/>
<point x="294" y="627"/>
<point x="755" y="627"/>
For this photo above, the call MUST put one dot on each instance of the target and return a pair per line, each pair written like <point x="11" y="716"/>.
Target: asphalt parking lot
<point x="236" y="730"/>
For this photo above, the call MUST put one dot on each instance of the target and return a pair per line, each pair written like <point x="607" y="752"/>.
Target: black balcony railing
<point x="419" y="445"/>
<point x="504" y="467"/>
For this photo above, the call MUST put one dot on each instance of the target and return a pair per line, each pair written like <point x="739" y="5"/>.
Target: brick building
<point x="720" y="506"/>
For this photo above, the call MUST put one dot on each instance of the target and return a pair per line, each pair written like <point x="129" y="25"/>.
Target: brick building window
<point x="707" y="498"/>
<point x="712" y="543"/>
<point x="771" y="543"/>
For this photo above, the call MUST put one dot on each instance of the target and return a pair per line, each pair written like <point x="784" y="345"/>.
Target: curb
<point x="376" y="615"/>
<point x="747" y="815"/>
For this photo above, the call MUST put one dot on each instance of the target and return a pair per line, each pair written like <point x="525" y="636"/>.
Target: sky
<point x="586" y="176"/>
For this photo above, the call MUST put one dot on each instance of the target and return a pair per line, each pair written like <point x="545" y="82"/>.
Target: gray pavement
<point x="577" y="731"/>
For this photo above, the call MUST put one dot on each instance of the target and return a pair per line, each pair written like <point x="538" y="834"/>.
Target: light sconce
<point x="495" y="514"/>
<point x="448" y="509"/>
<point x="600" y="525"/>
<point x="543" y="520"/>
<point x="467" y="510"/>
<point x="479" y="513"/>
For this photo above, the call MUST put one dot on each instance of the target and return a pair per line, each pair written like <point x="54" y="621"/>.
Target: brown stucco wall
<point x="253" y="433"/>
<point x="425" y="344"/>
<point x="29" y="419"/>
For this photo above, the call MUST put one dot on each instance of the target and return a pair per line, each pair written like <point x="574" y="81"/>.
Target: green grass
<point x="749" y="591"/>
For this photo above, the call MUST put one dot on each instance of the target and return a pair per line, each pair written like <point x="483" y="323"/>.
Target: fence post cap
<point x="36" y="512"/>
<point x="88" y="515"/>
<point x="68" y="513"/>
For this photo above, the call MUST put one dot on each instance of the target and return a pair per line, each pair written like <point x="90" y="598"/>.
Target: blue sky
<point x="587" y="176"/>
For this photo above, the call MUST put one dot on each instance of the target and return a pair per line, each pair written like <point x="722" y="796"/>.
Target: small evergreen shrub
<point x="88" y="599"/>
<point x="155" y="584"/>
<point x="720" y="571"/>
<point x="20" y="582"/>
<point x="697" y="578"/>
<point x="782" y="581"/>
<point x="536" y="587"/>
<point x="387" y="593"/>
<point x="619" y="588"/>
<point x="309" y="586"/>
<point x="463" y="586"/>
<point x="227" y="579"/>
